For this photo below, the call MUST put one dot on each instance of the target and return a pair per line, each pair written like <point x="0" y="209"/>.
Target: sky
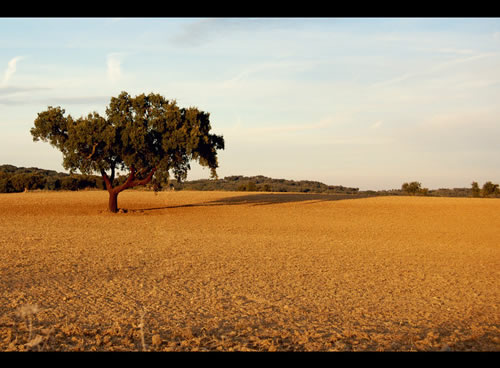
<point x="361" y="102"/>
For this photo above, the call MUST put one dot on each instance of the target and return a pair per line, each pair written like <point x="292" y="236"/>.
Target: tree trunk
<point x="113" y="201"/>
<point x="129" y="183"/>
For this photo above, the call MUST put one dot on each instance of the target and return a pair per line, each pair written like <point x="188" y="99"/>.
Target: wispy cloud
<point x="77" y="100"/>
<point x="440" y="67"/>
<point x="205" y="30"/>
<point x="15" y="95"/>
<point x="195" y="33"/>
<point x="457" y="51"/>
<point x="282" y="66"/>
<point x="25" y="97"/>
<point x="15" y="90"/>
<point x="114" y="70"/>
<point x="11" y="69"/>
<point x="474" y="56"/>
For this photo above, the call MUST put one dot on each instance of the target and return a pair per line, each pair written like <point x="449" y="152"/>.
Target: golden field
<point x="197" y="271"/>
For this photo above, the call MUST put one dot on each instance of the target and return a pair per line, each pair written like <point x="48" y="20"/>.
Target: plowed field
<point x="234" y="271"/>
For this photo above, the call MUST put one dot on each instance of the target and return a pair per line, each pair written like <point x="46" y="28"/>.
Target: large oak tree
<point x="147" y="136"/>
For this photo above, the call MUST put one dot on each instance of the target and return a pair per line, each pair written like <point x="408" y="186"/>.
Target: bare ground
<point x="234" y="271"/>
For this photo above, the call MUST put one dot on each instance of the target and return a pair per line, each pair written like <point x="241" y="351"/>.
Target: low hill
<point x="262" y="183"/>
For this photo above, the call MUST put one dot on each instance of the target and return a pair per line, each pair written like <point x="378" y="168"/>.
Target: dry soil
<point x="234" y="271"/>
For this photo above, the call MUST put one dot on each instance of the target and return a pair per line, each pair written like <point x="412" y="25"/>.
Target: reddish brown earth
<point x="234" y="271"/>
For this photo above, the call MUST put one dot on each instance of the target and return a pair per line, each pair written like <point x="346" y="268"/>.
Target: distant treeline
<point x="489" y="190"/>
<point x="262" y="184"/>
<point x="265" y="184"/>
<point x="18" y="179"/>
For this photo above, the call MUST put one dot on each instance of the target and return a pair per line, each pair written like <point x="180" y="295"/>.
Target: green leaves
<point x="141" y="132"/>
<point x="51" y="126"/>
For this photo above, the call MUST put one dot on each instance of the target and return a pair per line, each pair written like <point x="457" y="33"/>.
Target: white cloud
<point x="377" y="124"/>
<point x="11" y="69"/>
<point x="114" y="70"/>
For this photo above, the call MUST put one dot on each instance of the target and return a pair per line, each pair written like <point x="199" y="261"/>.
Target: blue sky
<point x="361" y="102"/>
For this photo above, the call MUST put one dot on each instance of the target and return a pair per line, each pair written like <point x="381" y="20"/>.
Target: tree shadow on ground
<point x="265" y="199"/>
<point x="274" y="198"/>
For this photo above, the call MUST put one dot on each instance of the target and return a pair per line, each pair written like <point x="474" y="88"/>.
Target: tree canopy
<point x="490" y="189"/>
<point x="411" y="188"/>
<point x="147" y="135"/>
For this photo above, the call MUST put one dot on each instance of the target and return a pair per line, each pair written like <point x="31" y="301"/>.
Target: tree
<point x="147" y="136"/>
<point x="5" y="184"/>
<point x="475" y="189"/>
<point x="69" y="183"/>
<point x="251" y="187"/>
<point x="411" y="188"/>
<point x="53" y="183"/>
<point x="30" y="181"/>
<point x="490" y="189"/>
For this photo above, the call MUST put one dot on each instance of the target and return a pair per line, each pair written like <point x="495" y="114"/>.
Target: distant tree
<point x="8" y="168"/>
<point x="30" y="181"/>
<point x="147" y="136"/>
<point x="476" y="192"/>
<point x="53" y="183"/>
<point x="6" y="185"/>
<point x="251" y="187"/>
<point x="411" y="188"/>
<point x="490" y="189"/>
<point x="69" y="183"/>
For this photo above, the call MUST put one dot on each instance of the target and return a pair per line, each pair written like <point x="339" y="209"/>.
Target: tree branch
<point x="146" y="180"/>
<point x="93" y="151"/>
<point x="107" y="181"/>
<point x="112" y="177"/>
<point x="140" y="172"/>
<point x="131" y="182"/>
<point x="130" y="178"/>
